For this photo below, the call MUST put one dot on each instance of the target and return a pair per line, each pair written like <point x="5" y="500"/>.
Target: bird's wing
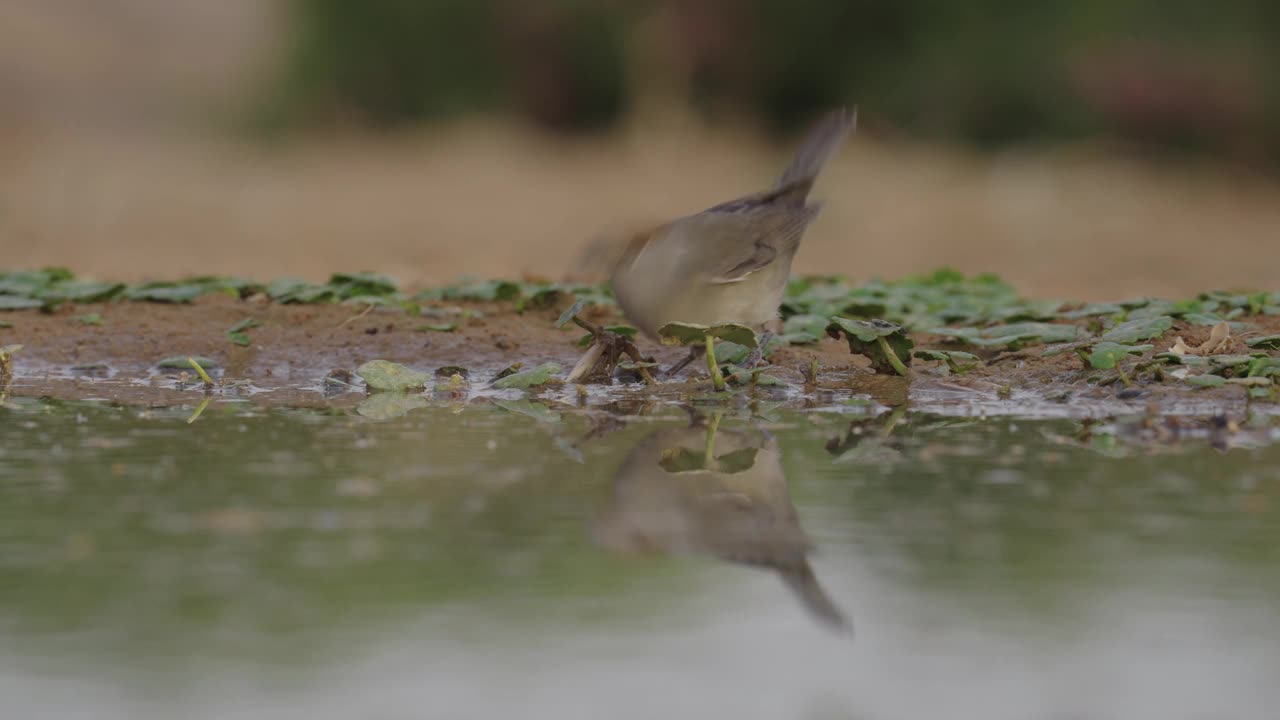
<point x="792" y="194"/>
<point x="735" y="243"/>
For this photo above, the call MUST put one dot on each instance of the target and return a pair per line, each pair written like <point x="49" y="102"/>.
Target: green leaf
<point x="80" y="291"/>
<point x="485" y="290"/>
<point x="540" y="375"/>
<point x="1229" y="361"/>
<point x="804" y="329"/>
<point x="188" y="290"/>
<point x="1106" y="355"/>
<point x="1197" y="318"/>
<point x="1193" y="360"/>
<point x="383" y="375"/>
<point x="568" y="315"/>
<point x="236" y="335"/>
<point x="864" y="330"/>
<point x="1206" y="381"/>
<point x="15" y="302"/>
<point x="1013" y="334"/>
<point x="361" y="284"/>
<point x="742" y="376"/>
<point x="694" y="334"/>
<point x="1264" y="367"/>
<point x="296" y="290"/>
<point x="1093" y="310"/>
<point x="245" y="324"/>
<point x="1140" y="329"/>
<point x="731" y="353"/>
<point x="29" y="283"/>
<point x="166" y="292"/>
<point x="884" y="343"/>
<point x="1266" y="342"/>
<point x="388" y="405"/>
<point x="535" y="410"/>
<point x="88" y="319"/>
<point x="958" y="361"/>
<point x="1250" y="381"/>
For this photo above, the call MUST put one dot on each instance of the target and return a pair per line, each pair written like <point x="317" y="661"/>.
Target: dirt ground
<point x="485" y="200"/>
<point x="295" y="346"/>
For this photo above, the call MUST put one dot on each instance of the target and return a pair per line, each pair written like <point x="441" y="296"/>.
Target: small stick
<point x="362" y="313"/>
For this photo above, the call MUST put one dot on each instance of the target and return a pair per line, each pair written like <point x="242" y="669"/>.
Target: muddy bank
<point x="110" y="351"/>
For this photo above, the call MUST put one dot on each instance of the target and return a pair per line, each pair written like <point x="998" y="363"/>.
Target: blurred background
<point x="1095" y="149"/>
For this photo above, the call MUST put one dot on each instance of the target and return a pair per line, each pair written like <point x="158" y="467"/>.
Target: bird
<point x="731" y="262"/>
<point x="705" y="490"/>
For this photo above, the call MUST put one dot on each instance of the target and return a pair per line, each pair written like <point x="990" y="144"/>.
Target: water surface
<point x="473" y="562"/>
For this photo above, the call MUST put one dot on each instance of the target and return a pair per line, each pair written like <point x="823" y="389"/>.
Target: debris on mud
<point x="982" y="346"/>
<point x="605" y="350"/>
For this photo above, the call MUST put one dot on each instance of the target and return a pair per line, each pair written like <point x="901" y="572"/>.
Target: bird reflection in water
<point x="706" y="490"/>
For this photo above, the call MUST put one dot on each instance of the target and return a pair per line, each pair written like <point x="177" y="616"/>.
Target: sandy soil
<point x="482" y="199"/>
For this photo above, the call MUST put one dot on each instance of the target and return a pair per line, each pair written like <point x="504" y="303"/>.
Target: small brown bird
<point x="729" y="263"/>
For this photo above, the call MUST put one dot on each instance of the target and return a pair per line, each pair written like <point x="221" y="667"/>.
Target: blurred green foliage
<point x="1160" y="72"/>
<point x="392" y="62"/>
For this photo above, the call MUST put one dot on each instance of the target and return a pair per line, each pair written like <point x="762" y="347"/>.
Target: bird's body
<point x="731" y="262"/>
<point x="665" y="281"/>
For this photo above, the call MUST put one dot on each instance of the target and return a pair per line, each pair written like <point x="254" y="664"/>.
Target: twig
<point x="357" y="316"/>
<point x="623" y="343"/>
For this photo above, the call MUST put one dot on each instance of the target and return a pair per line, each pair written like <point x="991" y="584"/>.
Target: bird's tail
<point x="821" y="143"/>
<point x="805" y="585"/>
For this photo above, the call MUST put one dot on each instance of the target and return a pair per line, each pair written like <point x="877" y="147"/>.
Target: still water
<point x="473" y="562"/>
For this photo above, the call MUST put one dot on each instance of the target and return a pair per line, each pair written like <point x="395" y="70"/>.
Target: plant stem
<point x="712" y="366"/>
<point x="891" y="356"/>
<point x="630" y="350"/>
<point x="208" y="381"/>
<point x="1123" y="378"/>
